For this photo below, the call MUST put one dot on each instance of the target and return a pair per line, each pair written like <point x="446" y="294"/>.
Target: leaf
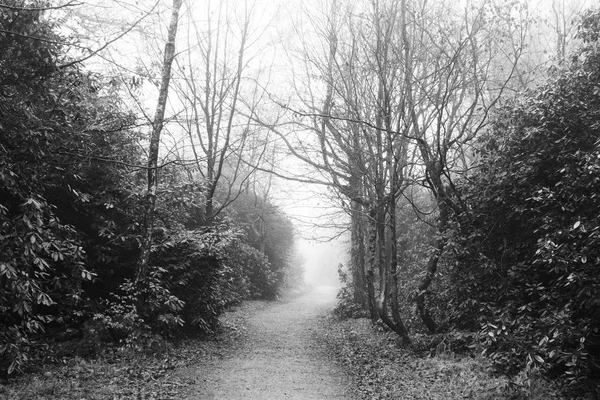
<point x="44" y="299"/>
<point x="12" y="367"/>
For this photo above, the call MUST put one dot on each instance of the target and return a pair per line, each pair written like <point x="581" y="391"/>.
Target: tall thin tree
<point x="157" y="127"/>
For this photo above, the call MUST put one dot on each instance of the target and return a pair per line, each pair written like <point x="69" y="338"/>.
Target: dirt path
<point x="280" y="358"/>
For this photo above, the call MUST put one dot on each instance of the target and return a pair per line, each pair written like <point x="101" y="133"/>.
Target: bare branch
<point x="111" y="41"/>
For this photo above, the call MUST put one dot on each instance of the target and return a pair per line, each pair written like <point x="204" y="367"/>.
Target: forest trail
<point x="281" y="357"/>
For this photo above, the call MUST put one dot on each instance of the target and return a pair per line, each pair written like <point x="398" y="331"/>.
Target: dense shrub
<point x="59" y="210"/>
<point x="346" y="306"/>
<point x="270" y="232"/>
<point x="526" y="265"/>
<point x="207" y="271"/>
<point x="257" y="278"/>
<point x="193" y="272"/>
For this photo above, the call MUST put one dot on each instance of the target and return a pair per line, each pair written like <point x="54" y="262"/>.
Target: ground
<point x="287" y="349"/>
<point x="280" y="358"/>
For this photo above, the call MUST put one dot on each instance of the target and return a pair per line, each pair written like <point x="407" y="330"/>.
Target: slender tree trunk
<point x="432" y="264"/>
<point x="357" y="241"/>
<point x="382" y="262"/>
<point x="157" y="126"/>
<point x="371" y="265"/>
<point x="434" y="171"/>
<point x="400" y="326"/>
<point x="377" y="249"/>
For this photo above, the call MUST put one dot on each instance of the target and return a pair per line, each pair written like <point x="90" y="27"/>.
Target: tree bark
<point x="400" y="326"/>
<point x="157" y="126"/>
<point x="377" y="246"/>
<point x="382" y="264"/>
<point x="371" y="266"/>
<point x="434" y="172"/>
<point x="357" y="253"/>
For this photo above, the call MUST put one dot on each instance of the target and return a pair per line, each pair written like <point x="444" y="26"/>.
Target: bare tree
<point x="392" y="97"/>
<point x="344" y="128"/>
<point x="449" y="94"/>
<point x="562" y="22"/>
<point x="213" y="87"/>
<point x="157" y="126"/>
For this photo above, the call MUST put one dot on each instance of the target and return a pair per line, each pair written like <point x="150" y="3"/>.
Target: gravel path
<point x="280" y="357"/>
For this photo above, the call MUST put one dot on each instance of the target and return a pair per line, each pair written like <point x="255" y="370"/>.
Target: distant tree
<point x="214" y="87"/>
<point x="347" y="133"/>
<point x="268" y="230"/>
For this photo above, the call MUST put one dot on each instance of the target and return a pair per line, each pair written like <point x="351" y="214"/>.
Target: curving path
<point x="281" y="357"/>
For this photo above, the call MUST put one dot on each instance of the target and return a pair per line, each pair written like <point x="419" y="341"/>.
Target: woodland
<point x="140" y="151"/>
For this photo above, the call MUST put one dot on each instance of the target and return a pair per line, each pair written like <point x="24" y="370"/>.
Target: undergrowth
<point x="429" y="369"/>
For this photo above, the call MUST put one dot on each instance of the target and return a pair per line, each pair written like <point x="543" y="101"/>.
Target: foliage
<point x="192" y="270"/>
<point x="52" y="119"/>
<point x="195" y="276"/>
<point x="529" y="249"/>
<point x="270" y="232"/>
<point x="346" y="306"/>
<point x="125" y="321"/>
<point x="258" y="280"/>
<point x="278" y="248"/>
<point x="180" y="204"/>
<point x="385" y="369"/>
<point x="415" y="237"/>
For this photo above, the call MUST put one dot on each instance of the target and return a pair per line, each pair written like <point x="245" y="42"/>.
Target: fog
<point x="322" y="260"/>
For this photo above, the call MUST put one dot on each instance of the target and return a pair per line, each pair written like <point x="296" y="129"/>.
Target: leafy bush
<point x="527" y="255"/>
<point x="193" y="274"/>
<point x="127" y="322"/>
<point x="346" y="306"/>
<point x="66" y="213"/>
<point x="42" y="260"/>
<point x="270" y="232"/>
<point x="256" y="278"/>
<point x="211" y="270"/>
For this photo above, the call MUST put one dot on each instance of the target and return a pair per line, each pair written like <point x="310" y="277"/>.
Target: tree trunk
<point x="434" y="172"/>
<point x="157" y="126"/>
<point x="371" y="267"/>
<point x="357" y="254"/>
<point x="377" y="246"/>
<point x="382" y="264"/>
<point x="399" y="322"/>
